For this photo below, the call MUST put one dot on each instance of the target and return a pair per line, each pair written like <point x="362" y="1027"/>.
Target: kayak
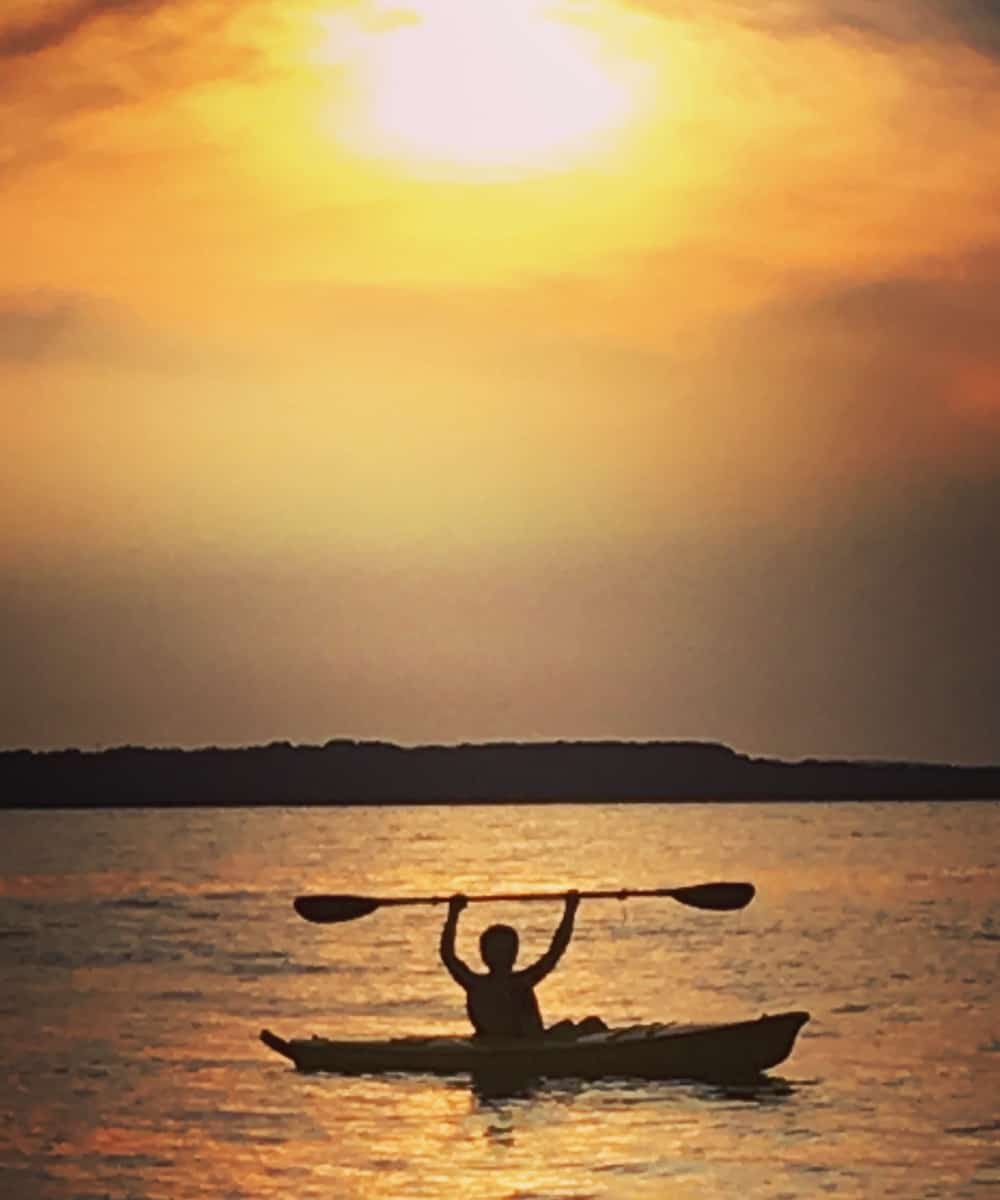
<point x="740" y="1050"/>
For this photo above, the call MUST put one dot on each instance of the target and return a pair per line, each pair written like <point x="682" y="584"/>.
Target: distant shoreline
<point x="679" y="801"/>
<point x="360" y="774"/>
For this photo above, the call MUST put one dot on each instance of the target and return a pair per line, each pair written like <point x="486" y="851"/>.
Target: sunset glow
<point x="460" y="369"/>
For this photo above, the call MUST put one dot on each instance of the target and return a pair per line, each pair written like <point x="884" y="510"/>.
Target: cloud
<point x="47" y="329"/>
<point x="909" y="342"/>
<point x="31" y="333"/>
<point x="54" y="328"/>
<point x="980" y="20"/>
<point x="115" y="62"/>
<point x="922" y="338"/>
<point x="886" y="376"/>
<point x="975" y="23"/>
<point x="60" y="22"/>
<point x="952" y="309"/>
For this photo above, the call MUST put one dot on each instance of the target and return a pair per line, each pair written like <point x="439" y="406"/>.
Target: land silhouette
<point x="351" y="772"/>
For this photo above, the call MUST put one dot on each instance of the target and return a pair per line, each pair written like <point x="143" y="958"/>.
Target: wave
<point x="229" y="896"/>
<point x="250" y="970"/>
<point x="141" y="903"/>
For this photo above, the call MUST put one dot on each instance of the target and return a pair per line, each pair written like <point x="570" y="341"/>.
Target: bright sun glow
<point x="476" y="87"/>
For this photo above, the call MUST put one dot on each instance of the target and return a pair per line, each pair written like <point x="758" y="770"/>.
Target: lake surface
<point x="141" y="951"/>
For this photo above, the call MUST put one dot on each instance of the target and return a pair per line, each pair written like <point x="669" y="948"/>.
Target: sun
<point x="475" y="87"/>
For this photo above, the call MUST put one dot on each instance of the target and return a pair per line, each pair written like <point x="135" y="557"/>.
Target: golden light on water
<point x="478" y="90"/>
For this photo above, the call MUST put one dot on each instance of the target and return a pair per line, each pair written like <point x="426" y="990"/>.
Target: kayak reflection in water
<point x="502" y="1002"/>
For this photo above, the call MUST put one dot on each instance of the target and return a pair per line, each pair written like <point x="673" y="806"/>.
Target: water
<point x="142" y="951"/>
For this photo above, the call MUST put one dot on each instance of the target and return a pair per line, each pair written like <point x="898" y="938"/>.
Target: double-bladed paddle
<point x="329" y="910"/>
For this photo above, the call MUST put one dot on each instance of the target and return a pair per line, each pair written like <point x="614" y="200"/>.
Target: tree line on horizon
<point x="344" y="771"/>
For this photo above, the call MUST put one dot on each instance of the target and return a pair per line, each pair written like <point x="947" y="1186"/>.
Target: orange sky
<point x="444" y="370"/>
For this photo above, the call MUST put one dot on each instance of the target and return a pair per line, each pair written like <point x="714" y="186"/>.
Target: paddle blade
<point x="723" y="897"/>
<point x="329" y="910"/>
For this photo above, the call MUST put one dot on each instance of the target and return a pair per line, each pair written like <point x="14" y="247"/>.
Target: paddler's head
<point x="498" y="946"/>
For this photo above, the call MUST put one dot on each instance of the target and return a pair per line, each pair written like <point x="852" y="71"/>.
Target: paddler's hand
<point x="572" y="901"/>
<point x="456" y="903"/>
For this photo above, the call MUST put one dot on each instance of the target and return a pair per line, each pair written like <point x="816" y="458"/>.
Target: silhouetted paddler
<point x="502" y="1002"/>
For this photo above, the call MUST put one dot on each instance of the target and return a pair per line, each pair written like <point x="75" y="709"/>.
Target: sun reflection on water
<point x="131" y="1018"/>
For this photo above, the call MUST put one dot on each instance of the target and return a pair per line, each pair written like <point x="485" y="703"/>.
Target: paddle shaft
<point x="607" y="894"/>
<point x="722" y="897"/>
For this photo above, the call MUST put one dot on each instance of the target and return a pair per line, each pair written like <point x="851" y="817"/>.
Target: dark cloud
<point x="976" y="22"/>
<point x="980" y="21"/>
<point x="46" y="329"/>
<point x="32" y="334"/>
<point x="879" y="381"/>
<point x="973" y="22"/>
<point x="61" y="23"/>
<point x="954" y="306"/>
<point x="161" y="48"/>
<point x="906" y="346"/>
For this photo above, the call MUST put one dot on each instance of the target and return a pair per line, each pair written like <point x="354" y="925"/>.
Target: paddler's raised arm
<point x="560" y="940"/>
<point x="457" y="969"/>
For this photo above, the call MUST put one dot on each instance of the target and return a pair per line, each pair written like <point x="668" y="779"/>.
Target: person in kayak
<point x="502" y="1002"/>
